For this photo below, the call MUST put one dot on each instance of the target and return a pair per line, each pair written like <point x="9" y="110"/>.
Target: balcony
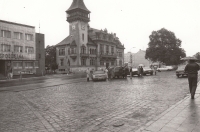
<point x="108" y="55"/>
<point x="73" y="55"/>
<point x="86" y="55"/>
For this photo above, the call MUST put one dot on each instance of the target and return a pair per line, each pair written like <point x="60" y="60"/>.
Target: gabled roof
<point x="64" y="42"/>
<point x="78" y="4"/>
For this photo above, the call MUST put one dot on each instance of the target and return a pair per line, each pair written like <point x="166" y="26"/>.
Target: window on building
<point x="83" y="62"/>
<point x="112" y="63"/>
<point x="120" y="62"/>
<point x="29" y="37"/>
<point x="101" y="63"/>
<point x="120" y="54"/>
<point x="68" y="51"/>
<point x="61" y="62"/>
<point x="107" y="49"/>
<point x="29" y="50"/>
<point x="92" y="62"/>
<point x="18" y="49"/>
<point x="104" y="36"/>
<point x="83" y="36"/>
<point x="18" y="35"/>
<point x="28" y="64"/>
<point x="17" y="65"/>
<point x="5" y="47"/>
<point x="112" y="50"/>
<point x="101" y="49"/>
<point x="5" y="34"/>
<point x="61" y="52"/>
<point x="83" y="50"/>
<point x="73" y="50"/>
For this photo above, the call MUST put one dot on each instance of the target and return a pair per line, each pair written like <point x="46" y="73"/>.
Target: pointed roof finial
<point x="78" y="4"/>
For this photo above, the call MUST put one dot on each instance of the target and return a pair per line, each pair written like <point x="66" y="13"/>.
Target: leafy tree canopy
<point x="164" y="47"/>
<point x="197" y="55"/>
<point x="50" y="57"/>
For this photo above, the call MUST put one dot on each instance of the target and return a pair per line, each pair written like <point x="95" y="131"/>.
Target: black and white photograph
<point x="99" y="66"/>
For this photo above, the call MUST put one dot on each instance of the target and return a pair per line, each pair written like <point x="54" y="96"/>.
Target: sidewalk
<point x="184" y="116"/>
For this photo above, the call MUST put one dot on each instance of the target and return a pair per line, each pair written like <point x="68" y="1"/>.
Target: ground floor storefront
<point x="18" y="67"/>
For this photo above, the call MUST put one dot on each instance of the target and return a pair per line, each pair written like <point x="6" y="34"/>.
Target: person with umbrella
<point x="192" y="69"/>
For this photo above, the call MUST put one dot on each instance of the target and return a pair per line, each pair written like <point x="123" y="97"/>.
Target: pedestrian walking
<point x="130" y="72"/>
<point x="155" y="69"/>
<point x="88" y="74"/>
<point x="109" y="74"/>
<point x="106" y="71"/>
<point x="192" y="69"/>
<point x="141" y="71"/>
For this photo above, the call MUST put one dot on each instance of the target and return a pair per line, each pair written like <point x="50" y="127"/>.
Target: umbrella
<point x="189" y="58"/>
<point x="141" y="65"/>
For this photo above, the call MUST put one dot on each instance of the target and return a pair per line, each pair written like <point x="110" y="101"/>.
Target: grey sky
<point x="132" y="20"/>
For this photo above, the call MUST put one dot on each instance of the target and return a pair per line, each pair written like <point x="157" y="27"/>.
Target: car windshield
<point x="98" y="72"/>
<point x="181" y="67"/>
<point x="147" y="68"/>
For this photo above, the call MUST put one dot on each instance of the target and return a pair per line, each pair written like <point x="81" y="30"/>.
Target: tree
<point x="164" y="47"/>
<point x="197" y="55"/>
<point x="50" y="57"/>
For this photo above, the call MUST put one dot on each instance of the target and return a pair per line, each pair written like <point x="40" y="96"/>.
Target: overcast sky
<point x="132" y="20"/>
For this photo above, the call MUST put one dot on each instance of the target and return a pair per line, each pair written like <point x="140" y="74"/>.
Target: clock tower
<point x="78" y="17"/>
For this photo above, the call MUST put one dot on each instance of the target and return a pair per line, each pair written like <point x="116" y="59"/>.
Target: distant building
<point x="20" y="49"/>
<point x="137" y="58"/>
<point x="87" y="47"/>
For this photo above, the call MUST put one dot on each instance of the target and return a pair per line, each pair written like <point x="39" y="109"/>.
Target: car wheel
<point x="151" y="74"/>
<point x="178" y="75"/>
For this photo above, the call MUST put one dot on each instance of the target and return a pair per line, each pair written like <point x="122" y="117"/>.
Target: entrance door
<point x="107" y="65"/>
<point x="2" y="68"/>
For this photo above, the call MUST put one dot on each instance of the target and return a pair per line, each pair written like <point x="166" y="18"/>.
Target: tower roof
<point x="78" y="4"/>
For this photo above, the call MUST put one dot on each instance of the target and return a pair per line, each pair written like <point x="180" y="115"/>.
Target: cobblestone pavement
<point x="120" y="105"/>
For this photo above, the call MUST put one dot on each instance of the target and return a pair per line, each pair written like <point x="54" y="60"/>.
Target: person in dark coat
<point x="192" y="69"/>
<point x="141" y="71"/>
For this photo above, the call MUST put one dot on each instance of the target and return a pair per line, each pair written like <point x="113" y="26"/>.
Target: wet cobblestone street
<point x="120" y="105"/>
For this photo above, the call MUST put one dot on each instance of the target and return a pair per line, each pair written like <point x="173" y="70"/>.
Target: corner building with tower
<point x="87" y="47"/>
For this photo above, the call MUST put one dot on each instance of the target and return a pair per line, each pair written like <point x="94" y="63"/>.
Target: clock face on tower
<point x="83" y="27"/>
<point x="73" y="27"/>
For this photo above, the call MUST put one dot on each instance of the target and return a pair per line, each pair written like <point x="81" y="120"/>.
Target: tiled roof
<point x="78" y="4"/>
<point x="64" y="42"/>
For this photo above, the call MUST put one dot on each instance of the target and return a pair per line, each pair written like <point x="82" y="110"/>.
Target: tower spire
<point x="78" y="4"/>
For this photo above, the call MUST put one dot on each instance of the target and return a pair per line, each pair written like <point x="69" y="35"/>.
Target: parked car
<point x="147" y="70"/>
<point x="180" y="71"/>
<point x="120" y="71"/>
<point x="99" y="75"/>
<point x="135" y="71"/>
<point x="166" y="68"/>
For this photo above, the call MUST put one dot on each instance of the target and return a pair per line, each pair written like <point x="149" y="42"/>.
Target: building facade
<point x="18" y="48"/>
<point x="87" y="47"/>
<point x="136" y="59"/>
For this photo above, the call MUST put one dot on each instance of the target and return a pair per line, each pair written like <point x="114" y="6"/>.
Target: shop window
<point x="17" y="65"/>
<point x="5" y="34"/>
<point x="28" y="64"/>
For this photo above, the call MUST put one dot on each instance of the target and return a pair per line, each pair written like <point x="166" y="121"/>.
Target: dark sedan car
<point x="180" y="71"/>
<point x="147" y="70"/>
